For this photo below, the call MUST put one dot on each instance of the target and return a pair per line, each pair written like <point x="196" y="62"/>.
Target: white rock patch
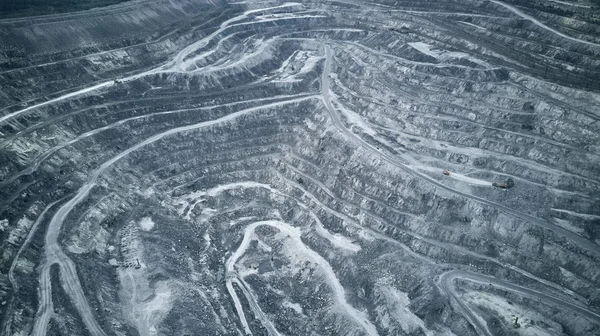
<point x="146" y="223"/>
<point x="3" y="224"/>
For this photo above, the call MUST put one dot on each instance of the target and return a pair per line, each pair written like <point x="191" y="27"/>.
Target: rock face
<point x="199" y="167"/>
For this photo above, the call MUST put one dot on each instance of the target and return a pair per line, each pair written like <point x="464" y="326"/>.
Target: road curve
<point x="53" y="253"/>
<point x="32" y="232"/>
<point x="446" y="283"/>
<point x="581" y="241"/>
<point x="448" y="278"/>
<point x="11" y="271"/>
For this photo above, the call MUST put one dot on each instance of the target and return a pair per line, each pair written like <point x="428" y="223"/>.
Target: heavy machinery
<point x="509" y="184"/>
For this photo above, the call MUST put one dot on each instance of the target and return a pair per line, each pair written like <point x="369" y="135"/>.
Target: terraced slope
<point x="15" y="8"/>
<point x="276" y="168"/>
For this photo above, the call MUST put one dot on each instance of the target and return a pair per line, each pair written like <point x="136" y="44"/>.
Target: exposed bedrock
<point x="306" y="168"/>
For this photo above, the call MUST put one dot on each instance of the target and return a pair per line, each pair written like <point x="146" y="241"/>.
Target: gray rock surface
<point x="201" y="167"/>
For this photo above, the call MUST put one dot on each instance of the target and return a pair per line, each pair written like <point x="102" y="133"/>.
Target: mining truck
<point x="509" y="184"/>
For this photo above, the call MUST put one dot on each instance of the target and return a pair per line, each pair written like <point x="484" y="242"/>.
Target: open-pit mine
<point x="320" y="167"/>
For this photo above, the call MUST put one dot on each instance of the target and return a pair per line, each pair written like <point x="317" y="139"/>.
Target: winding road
<point x="53" y="253"/>
<point x="446" y="282"/>
<point x="448" y="278"/>
<point x="301" y="249"/>
<point x="582" y="242"/>
<point x="11" y="271"/>
<point x="185" y="61"/>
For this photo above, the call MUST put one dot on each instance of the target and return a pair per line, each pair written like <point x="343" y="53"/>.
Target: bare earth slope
<point x="276" y="168"/>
